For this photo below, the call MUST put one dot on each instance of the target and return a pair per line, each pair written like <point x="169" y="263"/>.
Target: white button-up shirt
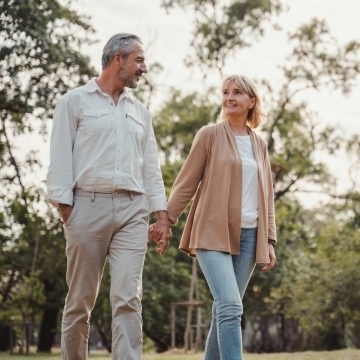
<point x="100" y="146"/>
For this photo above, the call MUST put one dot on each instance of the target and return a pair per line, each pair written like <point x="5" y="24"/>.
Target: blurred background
<point x="305" y="58"/>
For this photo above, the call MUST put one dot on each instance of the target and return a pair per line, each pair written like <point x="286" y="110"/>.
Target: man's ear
<point x="118" y="59"/>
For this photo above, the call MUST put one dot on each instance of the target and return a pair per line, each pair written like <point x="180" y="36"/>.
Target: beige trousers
<point x="100" y="227"/>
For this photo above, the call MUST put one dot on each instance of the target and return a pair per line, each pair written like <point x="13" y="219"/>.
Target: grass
<point x="348" y="354"/>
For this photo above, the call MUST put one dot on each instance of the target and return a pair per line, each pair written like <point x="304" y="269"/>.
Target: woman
<point x="231" y="224"/>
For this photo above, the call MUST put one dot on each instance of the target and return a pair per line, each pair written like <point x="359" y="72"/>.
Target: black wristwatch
<point x="272" y="242"/>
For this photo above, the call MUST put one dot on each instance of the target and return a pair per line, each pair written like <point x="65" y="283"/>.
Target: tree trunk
<point x="5" y="337"/>
<point x="104" y="335"/>
<point x="48" y="330"/>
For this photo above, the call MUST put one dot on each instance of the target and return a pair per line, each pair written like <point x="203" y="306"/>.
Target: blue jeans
<point x="227" y="277"/>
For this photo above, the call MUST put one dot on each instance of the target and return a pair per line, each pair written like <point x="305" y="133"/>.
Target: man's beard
<point x="128" y="80"/>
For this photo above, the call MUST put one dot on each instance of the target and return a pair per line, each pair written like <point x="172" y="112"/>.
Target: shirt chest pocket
<point x="97" y="121"/>
<point x="135" y="126"/>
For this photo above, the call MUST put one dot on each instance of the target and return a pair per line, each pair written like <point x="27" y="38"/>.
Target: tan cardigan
<point x="213" y="172"/>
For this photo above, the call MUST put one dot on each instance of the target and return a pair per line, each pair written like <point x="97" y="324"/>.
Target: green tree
<point x="178" y="120"/>
<point x="321" y="298"/>
<point x="175" y="125"/>
<point x="295" y="136"/>
<point x="221" y="28"/>
<point x="40" y="59"/>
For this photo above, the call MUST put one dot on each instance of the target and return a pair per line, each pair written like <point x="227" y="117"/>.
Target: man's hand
<point x="160" y="231"/>
<point x="65" y="211"/>
<point x="272" y="256"/>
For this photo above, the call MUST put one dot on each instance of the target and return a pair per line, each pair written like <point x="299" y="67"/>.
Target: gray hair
<point x="122" y="43"/>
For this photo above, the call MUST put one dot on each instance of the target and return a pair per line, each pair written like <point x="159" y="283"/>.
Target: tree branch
<point x="13" y="160"/>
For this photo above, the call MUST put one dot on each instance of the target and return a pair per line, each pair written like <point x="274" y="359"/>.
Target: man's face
<point x="133" y="67"/>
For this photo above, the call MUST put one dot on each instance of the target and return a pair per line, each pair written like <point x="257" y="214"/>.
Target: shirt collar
<point x="91" y="86"/>
<point x="127" y="94"/>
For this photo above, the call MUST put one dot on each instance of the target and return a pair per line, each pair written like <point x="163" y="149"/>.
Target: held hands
<point x="272" y="256"/>
<point x="160" y="232"/>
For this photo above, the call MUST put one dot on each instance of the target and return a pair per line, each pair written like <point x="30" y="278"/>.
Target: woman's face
<point x="235" y="102"/>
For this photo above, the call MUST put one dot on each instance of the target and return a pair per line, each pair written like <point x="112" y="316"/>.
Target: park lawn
<point x="348" y="354"/>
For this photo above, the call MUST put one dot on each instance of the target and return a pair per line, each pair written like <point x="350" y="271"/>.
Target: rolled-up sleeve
<point x="60" y="179"/>
<point x="153" y="181"/>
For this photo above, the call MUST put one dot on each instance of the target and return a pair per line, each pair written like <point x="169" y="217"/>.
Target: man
<point x="104" y="176"/>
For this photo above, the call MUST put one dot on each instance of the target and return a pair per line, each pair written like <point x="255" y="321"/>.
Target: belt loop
<point x="93" y="196"/>
<point x="131" y="195"/>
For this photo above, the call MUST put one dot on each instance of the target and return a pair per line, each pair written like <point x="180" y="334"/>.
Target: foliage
<point x="166" y="280"/>
<point x="222" y="28"/>
<point x="334" y="248"/>
<point x="177" y="122"/>
<point x="39" y="53"/>
<point x="39" y="61"/>
<point x="295" y="138"/>
<point x="310" y="300"/>
<point x="148" y="89"/>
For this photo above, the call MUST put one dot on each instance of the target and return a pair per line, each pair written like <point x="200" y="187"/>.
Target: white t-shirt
<point x="249" y="212"/>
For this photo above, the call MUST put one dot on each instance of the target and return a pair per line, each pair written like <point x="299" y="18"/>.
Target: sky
<point x="167" y="40"/>
<point x="170" y="35"/>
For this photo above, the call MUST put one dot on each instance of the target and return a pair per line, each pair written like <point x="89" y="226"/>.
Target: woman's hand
<point x="272" y="256"/>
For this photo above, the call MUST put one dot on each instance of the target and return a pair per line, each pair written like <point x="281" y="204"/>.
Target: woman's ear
<point x="252" y="103"/>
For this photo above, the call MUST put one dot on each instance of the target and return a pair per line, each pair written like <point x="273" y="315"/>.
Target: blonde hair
<point x="256" y="116"/>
